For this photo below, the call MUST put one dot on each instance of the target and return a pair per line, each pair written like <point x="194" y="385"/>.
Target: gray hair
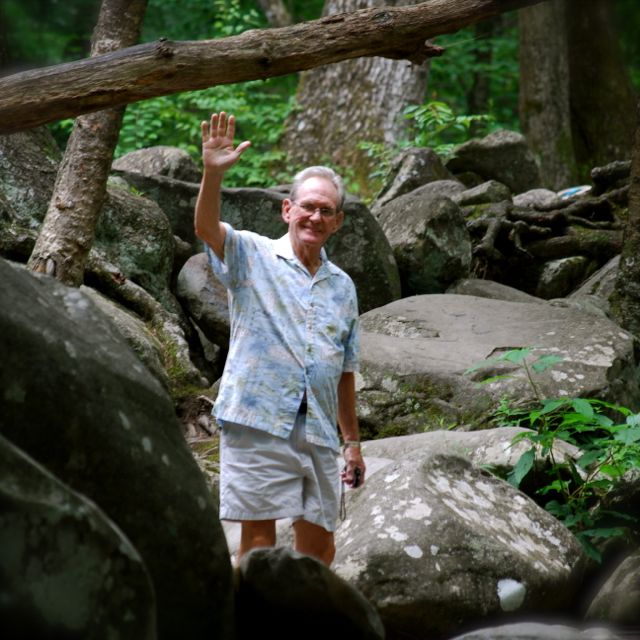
<point x="319" y="172"/>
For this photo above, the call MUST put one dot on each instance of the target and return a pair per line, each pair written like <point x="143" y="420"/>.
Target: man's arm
<point x="348" y="423"/>
<point x="218" y="155"/>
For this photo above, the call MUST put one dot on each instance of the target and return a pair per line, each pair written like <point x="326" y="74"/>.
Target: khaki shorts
<point x="264" y="477"/>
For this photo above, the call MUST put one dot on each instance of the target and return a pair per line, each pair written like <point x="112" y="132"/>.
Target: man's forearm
<point x="347" y="417"/>
<point x="207" y="213"/>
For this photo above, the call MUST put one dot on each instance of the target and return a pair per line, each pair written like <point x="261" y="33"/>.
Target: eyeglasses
<point x="310" y="209"/>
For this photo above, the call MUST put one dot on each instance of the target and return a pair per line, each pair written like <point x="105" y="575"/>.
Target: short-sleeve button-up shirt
<point x="291" y="334"/>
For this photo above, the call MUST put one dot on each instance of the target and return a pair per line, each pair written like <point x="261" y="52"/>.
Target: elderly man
<point x="289" y="374"/>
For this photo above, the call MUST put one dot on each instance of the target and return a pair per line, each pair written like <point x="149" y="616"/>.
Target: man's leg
<point x="314" y="540"/>
<point x="256" y="533"/>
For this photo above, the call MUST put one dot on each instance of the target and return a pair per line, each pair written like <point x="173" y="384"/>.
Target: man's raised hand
<point x="218" y="153"/>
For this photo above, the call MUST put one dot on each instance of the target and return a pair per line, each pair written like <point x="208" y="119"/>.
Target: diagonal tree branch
<point x="161" y="68"/>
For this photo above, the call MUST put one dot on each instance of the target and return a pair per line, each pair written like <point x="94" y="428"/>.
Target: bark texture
<point x="161" y="68"/>
<point x="68" y="230"/>
<point x="363" y="100"/>
<point x="602" y="99"/>
<point x="625" y="301"/>
<point x="276" y="13"/>
<point x="544" y="92"/>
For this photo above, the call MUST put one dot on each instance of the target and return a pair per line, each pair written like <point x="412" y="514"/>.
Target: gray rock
<point x="160" y="160"/>
<point x="28" y="167"/>
<point x="429" y="238"/>
<point x="601" y="284"/>
<point x="502" y="156"/>
<point x="494" y="448"/>
<point x="134" y="234"/>
<point x="491" y="289"/>
<point x="538" y="631"/>
<point x="611" y="176"/>
<point x="415" y="353"/>
<point x="176" y="198"/>
<point x="67" y="570"/>
<point x="411" y="169"/>
<point x="205" y="299"/>
<point x="77" y="399"/>
<point x="147" y="347"/>
<point x="560" y="277"/>
<point x="490" y="191"/>
<point x="617" y="601"/>
<point x="436" y="544"/>
<point x="288" y="595"/>
<point x="537" y="199"/>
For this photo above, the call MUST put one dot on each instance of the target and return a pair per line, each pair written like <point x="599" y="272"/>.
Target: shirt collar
<point x="282" y="247"/>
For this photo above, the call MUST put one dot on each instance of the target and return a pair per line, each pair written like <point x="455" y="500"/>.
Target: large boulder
<point x="437" y="544"/>
<point x="77" y="399"/>
<point x="539" y="631"/>
<point x="286" y="595"/>
<point x="503" y="156"/>
<point x="409" y="170"/>
<point x="28" y="167"/>
<point x="134" y="234"/>
<point x="177" y="198"/>
<point x="560" y="277"/>
<point x="617" y="601"/>
<point x="415" y="353"/>
<point x="205" y="298"/>
<point x="491" y="289"/>
<point x="600" y="285"/>
<point x="429" y="238"/>
<point x="67" y="570"/>
<point x="161" y="160"/>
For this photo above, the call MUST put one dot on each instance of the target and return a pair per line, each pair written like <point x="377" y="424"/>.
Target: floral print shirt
<point x="291" y="334"/>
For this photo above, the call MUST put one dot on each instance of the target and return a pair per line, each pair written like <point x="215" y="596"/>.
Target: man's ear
<point x="286" y="207"/>
<point x="339" y="220"/>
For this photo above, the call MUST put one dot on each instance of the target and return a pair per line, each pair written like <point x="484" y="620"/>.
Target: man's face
<point x="313" y="217"/>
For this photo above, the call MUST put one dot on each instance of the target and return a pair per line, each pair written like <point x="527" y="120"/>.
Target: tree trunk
<point x="344" y="104"/>
<point x="68" y="230"/>
<point x="44" y="95"/>
<point x="625" y="300"/>
<point x="276" y="13"/>
<point x="544" y="92"/>
<point x="602" y="99"/>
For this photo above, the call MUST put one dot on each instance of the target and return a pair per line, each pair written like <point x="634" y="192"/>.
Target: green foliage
<point x="451" y="76"/>
<point x="435" y="125"/>
<point x="175" y="120"/>
<point x="608" y="439"/>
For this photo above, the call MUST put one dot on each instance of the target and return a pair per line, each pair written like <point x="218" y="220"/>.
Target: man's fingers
<point x="231" y="127"/>
<point x="242" y="146"/>
<point x="222" y="124"/>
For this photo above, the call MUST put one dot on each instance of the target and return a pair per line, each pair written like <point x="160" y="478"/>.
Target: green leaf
<point x="583" y="407"/>
<point x="633" y="420"/>
<point x="628" y="436"/>
<point x="552" y="405"/>
<point x="588" y="459"/>
<point x="522" y="468"/>
<point x="544" y="362"/>
<point x="515" y="355"/>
